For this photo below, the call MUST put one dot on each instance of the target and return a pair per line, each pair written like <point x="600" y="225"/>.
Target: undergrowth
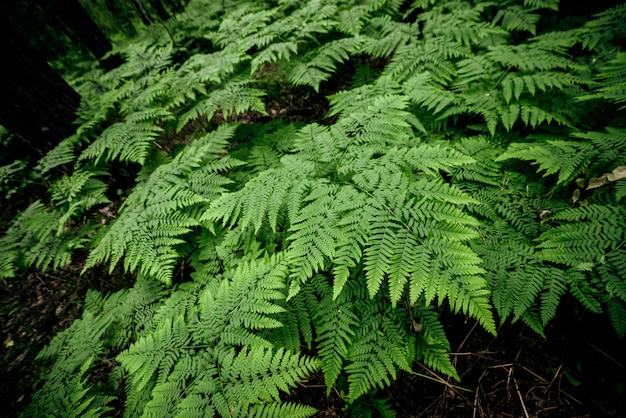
<point x="471" y="160"/>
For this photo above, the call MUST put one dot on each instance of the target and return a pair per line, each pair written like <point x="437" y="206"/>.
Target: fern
<point x="158" y="211"/>
<point x="322" y="62"/>
<point x="342" y="238"/>
<point x="377" y="350"/>
<point x="542" y="4"/>
<point x="515" y="18"/>
<point x="606" y="27"/>
<point x="35" y="238"/>
<point x="107" y="322"/>
<point x="60" y="155"/>
<point x="597" y="229"/>
<point x="434" y="345"/>
<point x="72" y="398"/>
<point x="231" y="380"/>
<point x="568" y="159"/>
<point x="128" y="141"/>
<point x="334" y="322"/>
<point x="617" y="314"/>
<point x="234" y="97"/>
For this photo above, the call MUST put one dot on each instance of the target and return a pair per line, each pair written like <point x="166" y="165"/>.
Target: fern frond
<point x="155" y="213"/>
<point x="297" y="319"/>
<point x="314" y="236"/>
<point x="384" y="124"/>
<point x="241" y="23"/>
<point x="152" y="357"/>
<point x="261" y="198"/>
<point x="432" y="55"/>
<point x="334" y="322"/>
<point x="385" y="36"/>
<point x="458" y="21"/>
<point x="282" y="409"/>
<point x="613" y="273"/>
<point x="79" y="191"/>
<point x="35" y="239"/>
<point x="210" y="359"/>
<point x="526" y="58"/>
<point x="566" y="158"/>
<point x="484" y="170"/>
<point x="273" y="53"/>
<point x="430" y="158"/>
<point x="201" y="69"/>
<point x="126" y="141"/>
<point x="434" y="97"/>
<point x="352" y="20"/>
<point x="610" y="146"/>
<point x="534" y="116"/>
<point x="592" y="231"/>
<point x="72" y="398"/>
<point x="542" y="4"/>
<point x="517" y="18"/>
<point x="617" y="313"/>
<point x="606" y="26"/>
<point x="232" y="98"/>
<point x="258" y="374"/>
<point x="514" y="85"/>
<point x="323" y="61"/>
<point x="377" y="351"/>
<point x="62" y="154"/>
<point x="611" y="84"/>
<point x="554" y="288"/>
<point x="434" y="345"/>
<point x="586" y="294"/>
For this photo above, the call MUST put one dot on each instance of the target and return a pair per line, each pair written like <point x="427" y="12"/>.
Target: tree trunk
<point x="121" y="19"/>
<point x="42" y="21"/>
<point x="35" y="102"/>
<point x="175" y="5"/>
<point x="84" y="30"/>
<point x="160" y="10"/>
<point x="143" y="13"/>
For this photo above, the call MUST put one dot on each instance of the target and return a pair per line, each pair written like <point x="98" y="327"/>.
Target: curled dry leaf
<point x="616" y="174"/>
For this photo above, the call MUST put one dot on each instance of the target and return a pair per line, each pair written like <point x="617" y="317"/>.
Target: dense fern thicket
<point x="472" y="159"/>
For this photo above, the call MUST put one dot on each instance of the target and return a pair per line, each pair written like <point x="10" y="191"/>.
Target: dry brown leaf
<point x="596" y="182"/>
<point x="620" y="172"/>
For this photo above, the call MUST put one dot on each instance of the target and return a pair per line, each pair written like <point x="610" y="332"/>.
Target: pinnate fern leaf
<point x="566" y="158"/>
<point x="155" y="213"/>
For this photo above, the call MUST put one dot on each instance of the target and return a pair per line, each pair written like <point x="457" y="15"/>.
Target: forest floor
<point x="516" y="374"/>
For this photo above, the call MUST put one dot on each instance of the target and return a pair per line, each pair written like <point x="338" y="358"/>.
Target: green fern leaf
<point x="232" y="98"/>
<point x="128" y="141"/>
<point x="273" y="53"/>
<point x="617" y="314"/>
<point x="282" y="409"/>
<point x="155" y="213"/>
<point x="542" y="4"/>
<point x="152" y="357"/>
<point x="434" y="344"/>
<point x="555" y="287"/>
<point x="323" y="62"/>
<point x="60" y="155"/>
<point x="568" y="159"/>
<point x="584" y="293"/>
<point x="517" y="18"/>
<point x="376" y="352"/>
<point x="599" y="229"/>
<point x="334" y="322"/>
<point x="259" y="374"/>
